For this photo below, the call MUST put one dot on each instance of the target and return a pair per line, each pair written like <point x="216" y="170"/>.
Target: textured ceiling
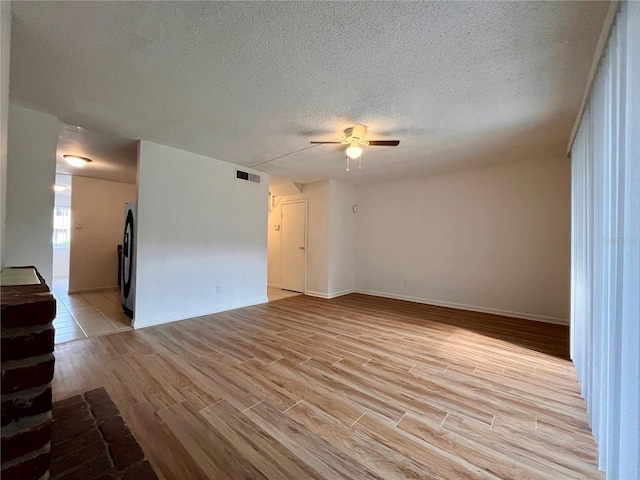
<point x="460" y="84"/>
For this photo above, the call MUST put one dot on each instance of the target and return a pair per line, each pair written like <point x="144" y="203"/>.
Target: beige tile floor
<point x="274" y="294"/>
<point x="85" y="315"/>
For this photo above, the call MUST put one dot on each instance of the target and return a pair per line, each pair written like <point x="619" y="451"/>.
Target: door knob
<point x="301" y="248"/>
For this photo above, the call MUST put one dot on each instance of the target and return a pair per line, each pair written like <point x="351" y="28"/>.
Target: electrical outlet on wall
<point x="218" y="288"/>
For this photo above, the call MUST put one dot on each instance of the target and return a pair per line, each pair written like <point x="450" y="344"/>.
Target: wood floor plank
<point x="331" y="462"/>
<point x="157" y="439"/>
<point x="300" y="384"/>
<point x="425" y="392"/>
<point x="502" y="401"/>
<point x="257" y="447"/>
<point x="143" y="371"/>
<point x="362" y="448"/>
<point x="355" y="392"/>
<point x="217" y="457"/>
<point x="207" y="370"/>
<point x="253" y="372"/>
<point x="355" y="387"/>
<point x="555" y="457"/>
<point x="443" y="463"/>
<point x="301" y="345"/>
<point x="198" y="393"/>
<point x="485" y="458"/>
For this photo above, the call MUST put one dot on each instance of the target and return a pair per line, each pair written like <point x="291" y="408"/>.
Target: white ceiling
<point x="460" y="84"/>
<point x="113" y="157"/>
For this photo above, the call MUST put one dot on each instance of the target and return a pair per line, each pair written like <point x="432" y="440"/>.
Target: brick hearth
<point x="90" y="441"/>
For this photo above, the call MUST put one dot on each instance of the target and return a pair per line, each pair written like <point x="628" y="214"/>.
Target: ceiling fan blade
<point x="384" y="143"/>
<point x="325" y="142"/>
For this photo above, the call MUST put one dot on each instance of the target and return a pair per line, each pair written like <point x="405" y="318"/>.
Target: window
<point x="61" y="227"/>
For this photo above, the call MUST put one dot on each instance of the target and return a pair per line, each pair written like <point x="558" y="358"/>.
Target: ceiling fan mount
<point x="355" y="133"/>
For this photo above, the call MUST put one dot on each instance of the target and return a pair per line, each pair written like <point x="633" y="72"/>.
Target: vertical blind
<point x="605" y="276"/>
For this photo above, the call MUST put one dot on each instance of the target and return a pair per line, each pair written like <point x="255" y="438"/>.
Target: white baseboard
<point x="471" y="308"/>
<point x="329" y="295"/>
<point x="311" y="293"/>
<point x="183" y="315"/>
<point x="90" y="290"/>
<point x="340" y="293"/>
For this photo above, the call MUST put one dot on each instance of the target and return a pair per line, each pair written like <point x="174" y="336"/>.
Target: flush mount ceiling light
<point x="354" y="137"/>
<point x="59" y="188"/>
<point x="76" y="161"/>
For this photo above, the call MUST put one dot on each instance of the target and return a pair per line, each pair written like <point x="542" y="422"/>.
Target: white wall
<point x="317" y="195"/>
<point x="493" y="239"/>
<point x="274" y="243"/>
<point x="274" y="239"/>
<point x="342" y="198"/>
<point x="31" y="170"/>
<point x="198" y="227"/>
<point x="5" y="43"/>
<point x="99" y="206"/>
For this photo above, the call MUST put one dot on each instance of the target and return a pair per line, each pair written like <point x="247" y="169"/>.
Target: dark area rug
<point x="90" y="441"/>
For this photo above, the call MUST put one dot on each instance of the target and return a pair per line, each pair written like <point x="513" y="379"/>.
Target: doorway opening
<point x="89" y="220"/>
<point x="287" y="247"/>
<point x="61" y="232"/>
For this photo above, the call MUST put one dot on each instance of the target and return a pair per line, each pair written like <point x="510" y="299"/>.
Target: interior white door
<point x="294" y="226"/>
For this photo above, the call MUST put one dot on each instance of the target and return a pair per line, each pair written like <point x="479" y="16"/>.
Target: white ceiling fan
<point x="354" y="137"/>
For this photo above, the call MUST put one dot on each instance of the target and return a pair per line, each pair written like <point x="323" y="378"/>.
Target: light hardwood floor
<point x="355" y="387"/>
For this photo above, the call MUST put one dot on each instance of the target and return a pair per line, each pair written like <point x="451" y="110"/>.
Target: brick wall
<point x="27" y="370"/>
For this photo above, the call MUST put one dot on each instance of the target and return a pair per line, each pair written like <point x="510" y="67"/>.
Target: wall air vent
<point x="250" y="177"/>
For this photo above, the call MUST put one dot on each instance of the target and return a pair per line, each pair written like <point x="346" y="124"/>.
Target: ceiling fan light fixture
<point x="76" y="161"/>
<point x="354" y="137"/>
<point x="355" y="150"/>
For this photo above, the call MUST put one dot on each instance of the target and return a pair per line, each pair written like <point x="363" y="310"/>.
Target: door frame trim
<point x="305" y="201"/>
